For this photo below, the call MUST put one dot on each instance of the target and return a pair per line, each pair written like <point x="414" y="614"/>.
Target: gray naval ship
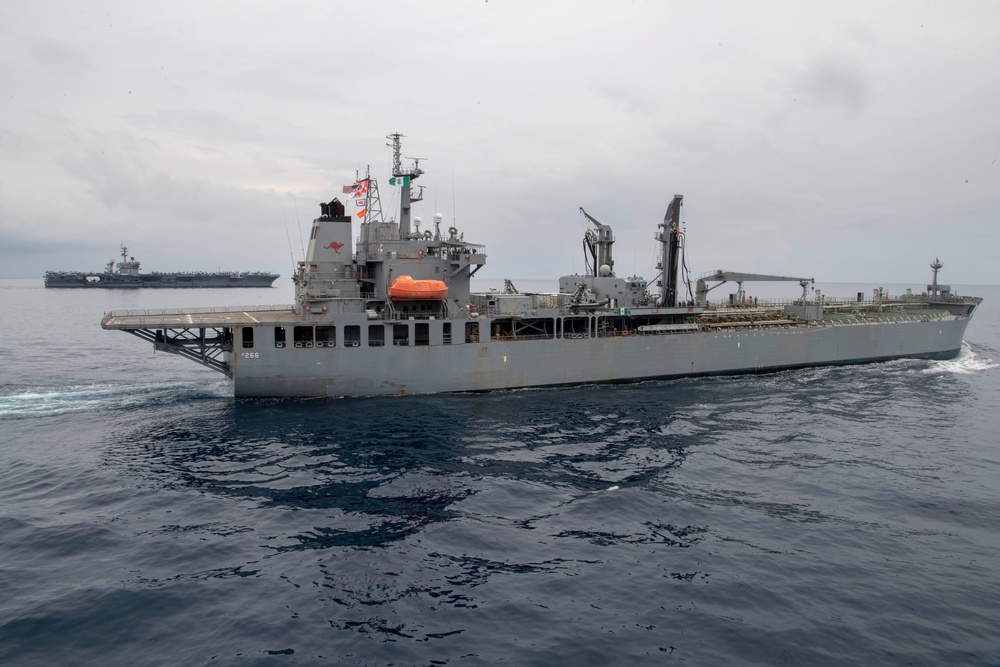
<point x="396" y="315"/>
<point x="126" y="274"/>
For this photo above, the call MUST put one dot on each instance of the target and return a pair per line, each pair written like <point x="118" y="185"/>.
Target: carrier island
<point x="394" y="314"/>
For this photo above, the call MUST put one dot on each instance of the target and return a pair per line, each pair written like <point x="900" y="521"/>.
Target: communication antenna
<point x="298" y="223"/>
<point x="288" y="235"/>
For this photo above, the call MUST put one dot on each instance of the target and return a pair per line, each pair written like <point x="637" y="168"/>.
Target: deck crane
<point x="702" y="289"/>
<point x="599" y="245"/>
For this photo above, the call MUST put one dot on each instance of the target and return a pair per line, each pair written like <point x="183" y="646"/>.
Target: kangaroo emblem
<point x="336" y="246"/>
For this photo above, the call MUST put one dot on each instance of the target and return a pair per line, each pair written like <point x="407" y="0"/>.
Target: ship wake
<point x="102" y="397"/>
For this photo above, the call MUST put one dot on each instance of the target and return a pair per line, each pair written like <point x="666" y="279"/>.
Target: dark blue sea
<point x="836" y="516"/>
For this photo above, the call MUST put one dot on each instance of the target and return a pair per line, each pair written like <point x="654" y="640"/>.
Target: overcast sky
<point x="846" y="141"/>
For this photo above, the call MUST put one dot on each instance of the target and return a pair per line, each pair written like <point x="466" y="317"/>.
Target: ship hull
<point x="504" y="365"/>
<point x="154" y="280"/>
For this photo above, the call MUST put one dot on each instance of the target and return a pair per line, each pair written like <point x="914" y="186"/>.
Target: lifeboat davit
<point x="405" y="288"/>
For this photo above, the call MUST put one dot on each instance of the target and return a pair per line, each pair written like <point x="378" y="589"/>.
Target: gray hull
<point x="457" y="367"/>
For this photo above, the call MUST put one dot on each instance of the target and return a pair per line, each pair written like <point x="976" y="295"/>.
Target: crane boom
<point x="739" y="278"/>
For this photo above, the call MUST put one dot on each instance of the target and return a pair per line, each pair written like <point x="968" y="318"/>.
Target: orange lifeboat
<point x="405" y="288"/>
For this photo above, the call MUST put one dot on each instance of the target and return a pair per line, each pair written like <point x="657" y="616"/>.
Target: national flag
<point x="360" y="188"/>
<point x="400" y="180"/>
<point x="348" y="189"/>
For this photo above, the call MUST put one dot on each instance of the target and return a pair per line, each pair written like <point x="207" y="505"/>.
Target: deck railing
<point x="205" y="310"/>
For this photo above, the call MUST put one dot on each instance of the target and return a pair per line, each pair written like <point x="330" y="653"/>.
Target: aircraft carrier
<point x="125" y="274"/>
<point x="395" y="315"/>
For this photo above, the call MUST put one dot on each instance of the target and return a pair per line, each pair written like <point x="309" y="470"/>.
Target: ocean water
<point x="818" y="517"/>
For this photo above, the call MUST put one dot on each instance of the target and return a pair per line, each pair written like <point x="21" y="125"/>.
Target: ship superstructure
<point x="396" y="315"/>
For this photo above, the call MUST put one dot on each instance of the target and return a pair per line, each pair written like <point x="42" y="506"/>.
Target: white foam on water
<point x="93" y="398"/>
<point x="967" y="362"/>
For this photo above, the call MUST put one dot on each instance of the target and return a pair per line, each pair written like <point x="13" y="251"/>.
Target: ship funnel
<point x="330" y="241"/>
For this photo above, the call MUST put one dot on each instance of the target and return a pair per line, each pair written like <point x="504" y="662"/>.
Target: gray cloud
<point x="832" y="82"/>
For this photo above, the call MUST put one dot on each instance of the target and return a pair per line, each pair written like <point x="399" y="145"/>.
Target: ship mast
<point x="403" y="179"/>
<point x="937" y="266"/>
